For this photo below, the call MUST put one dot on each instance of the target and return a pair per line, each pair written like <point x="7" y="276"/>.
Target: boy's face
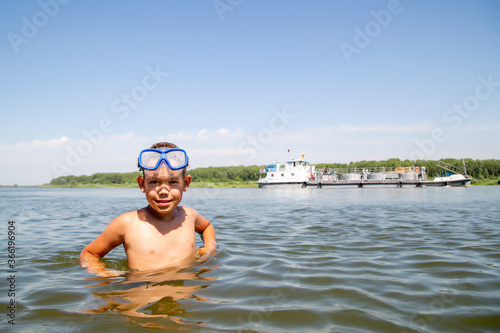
<point x="163" y="188"/>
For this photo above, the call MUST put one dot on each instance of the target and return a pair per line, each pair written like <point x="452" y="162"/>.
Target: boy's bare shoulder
<point x="200" y="222"/>
<point x="129" y="216"/>
<point x="189" y="211"/>
<point x="126" y="218"/>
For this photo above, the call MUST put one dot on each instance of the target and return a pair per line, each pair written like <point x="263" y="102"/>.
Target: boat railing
<point x="367" y="170"/>
<point x="452" y="169"/>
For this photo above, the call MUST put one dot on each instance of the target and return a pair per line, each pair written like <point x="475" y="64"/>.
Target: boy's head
<point x="163" y="176"/>
<point x="163" y="146"/>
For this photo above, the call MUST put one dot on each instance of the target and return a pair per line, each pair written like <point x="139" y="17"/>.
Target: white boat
<point x="451" y="180"/>
<point x="294" y="173"/>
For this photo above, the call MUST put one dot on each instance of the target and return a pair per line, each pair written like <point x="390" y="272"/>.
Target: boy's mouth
<point x="163" y="202"/>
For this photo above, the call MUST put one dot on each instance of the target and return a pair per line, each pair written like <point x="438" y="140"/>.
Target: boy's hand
<point x="101" y="271"/>
<point x="107" y="273"/>
<point x="95" y="266"/>
<point x="203" y="252"/>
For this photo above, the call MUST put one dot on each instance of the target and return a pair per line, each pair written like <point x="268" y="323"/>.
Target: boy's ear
<point x="140" y="182"/>
<point x="187" y="181"/>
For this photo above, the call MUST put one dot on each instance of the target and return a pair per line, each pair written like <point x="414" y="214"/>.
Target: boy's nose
<point x="163" y="189"/>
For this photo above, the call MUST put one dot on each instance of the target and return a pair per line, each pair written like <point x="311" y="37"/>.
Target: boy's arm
<point x="110" y="238"/>
<point x="207" y="232"/>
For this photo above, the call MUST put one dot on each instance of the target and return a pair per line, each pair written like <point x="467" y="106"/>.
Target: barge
<point x="300" y="173"/>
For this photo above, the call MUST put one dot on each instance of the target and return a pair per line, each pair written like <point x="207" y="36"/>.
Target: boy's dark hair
<point x="163" y="145"/>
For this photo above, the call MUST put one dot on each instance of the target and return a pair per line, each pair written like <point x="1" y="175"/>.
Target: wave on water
<point x="374" y="260"/>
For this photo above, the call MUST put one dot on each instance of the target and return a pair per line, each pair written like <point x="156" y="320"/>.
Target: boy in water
<point x="162" y="233"/>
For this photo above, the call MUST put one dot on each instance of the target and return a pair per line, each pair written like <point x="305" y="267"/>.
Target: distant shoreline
<point x="483" y="172"/>
<point x="201" y="184"/>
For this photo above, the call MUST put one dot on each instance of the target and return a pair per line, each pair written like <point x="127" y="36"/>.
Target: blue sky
<point x="87" y="84"/>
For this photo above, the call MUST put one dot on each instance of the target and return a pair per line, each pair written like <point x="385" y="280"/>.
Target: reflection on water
<point x="153" y="293"/>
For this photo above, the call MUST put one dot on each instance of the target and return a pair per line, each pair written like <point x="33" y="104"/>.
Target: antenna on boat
<point x="465" y="169"/>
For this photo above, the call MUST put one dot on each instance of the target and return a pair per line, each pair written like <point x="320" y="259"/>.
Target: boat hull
<point x="410" y="183"/>
<point x="283" y="185"/>
<point x="461" y="182"/>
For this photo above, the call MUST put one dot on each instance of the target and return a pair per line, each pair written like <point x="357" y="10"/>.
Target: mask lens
<point x="176" y="158"/>
<point x="150" y="158"/>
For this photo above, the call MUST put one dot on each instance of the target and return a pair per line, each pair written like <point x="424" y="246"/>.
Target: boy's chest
<point x="162" y="241"/>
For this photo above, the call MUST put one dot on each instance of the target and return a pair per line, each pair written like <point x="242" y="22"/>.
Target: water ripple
<point x="305" y="260"/>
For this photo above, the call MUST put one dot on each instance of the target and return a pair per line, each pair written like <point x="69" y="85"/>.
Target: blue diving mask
<point x="150" y="159"/>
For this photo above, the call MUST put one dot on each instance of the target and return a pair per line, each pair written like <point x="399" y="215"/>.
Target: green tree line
<point x="224" y="174"/>
<point x="105" y="179"/>
<point x="210" y="174"/>
<point x="478" y="169"/>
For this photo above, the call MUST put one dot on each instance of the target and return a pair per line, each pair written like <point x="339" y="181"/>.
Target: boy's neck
<point x="159" y="216"/>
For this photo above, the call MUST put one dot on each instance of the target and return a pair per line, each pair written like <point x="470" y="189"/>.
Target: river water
<point x="289" y="260"/>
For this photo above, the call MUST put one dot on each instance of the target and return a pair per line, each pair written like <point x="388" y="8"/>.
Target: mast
<point x="452" y="168"/>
